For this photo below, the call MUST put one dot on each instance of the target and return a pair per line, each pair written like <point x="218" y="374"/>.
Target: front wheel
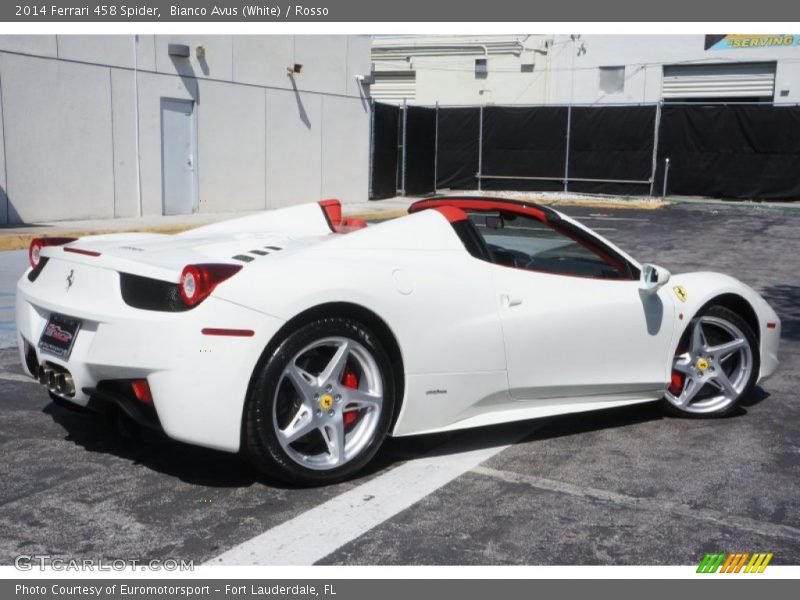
<point x="321" y="405"/>
<point x="715" y="366"/>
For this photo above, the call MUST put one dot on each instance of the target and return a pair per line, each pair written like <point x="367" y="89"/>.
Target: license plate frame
<point x="59" y="334"/>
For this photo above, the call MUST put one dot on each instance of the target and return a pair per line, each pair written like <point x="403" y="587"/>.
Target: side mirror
<point x="653" y="277"/>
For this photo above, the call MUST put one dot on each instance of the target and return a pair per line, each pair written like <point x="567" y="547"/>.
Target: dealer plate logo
<point x="734" y="562"/>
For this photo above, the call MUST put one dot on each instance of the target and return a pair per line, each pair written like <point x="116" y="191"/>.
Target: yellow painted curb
<point x="21" y="241"/>
<point x="629" y="204"/>
<point x="379" y="215"/>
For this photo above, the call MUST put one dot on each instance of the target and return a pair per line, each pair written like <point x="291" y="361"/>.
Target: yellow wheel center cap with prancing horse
<point x="326" y="401"/>
<point x="701" y="364"/>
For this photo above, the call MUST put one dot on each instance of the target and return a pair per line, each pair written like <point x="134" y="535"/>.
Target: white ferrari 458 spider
<point x="302" y="339"/>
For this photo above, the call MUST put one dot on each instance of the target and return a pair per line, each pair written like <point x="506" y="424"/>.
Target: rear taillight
<point x="35" y="249"/>
<point x="198" y="281"/>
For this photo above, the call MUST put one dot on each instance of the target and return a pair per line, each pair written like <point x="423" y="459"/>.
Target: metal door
<point x="178" y="149"/>
<point x="582" y="339"/>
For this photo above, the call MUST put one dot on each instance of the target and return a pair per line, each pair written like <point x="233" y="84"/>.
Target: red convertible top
<point x="538" y="212"/>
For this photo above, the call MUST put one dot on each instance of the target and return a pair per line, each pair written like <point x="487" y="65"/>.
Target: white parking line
<point x="716" y="517"/>
<point x="320" y="531"/>
<point x="609" y="218"/>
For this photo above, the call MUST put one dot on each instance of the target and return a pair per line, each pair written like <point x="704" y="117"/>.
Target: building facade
<point x="495" y="69"/>
<point x="587" y="69"/>
<point x="121" y="126"/>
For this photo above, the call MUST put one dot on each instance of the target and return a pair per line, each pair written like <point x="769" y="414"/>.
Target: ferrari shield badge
<point x="326" y="401"/>
<point x="680" y="292"/>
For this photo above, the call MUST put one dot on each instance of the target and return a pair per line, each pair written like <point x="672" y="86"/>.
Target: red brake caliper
<point x="350" y="381"/>
<point x="676" y="380"/>
<point x="676" y="385"/>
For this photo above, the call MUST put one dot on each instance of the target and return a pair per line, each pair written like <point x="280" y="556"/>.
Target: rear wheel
<point x="321" y="405"/>
<point x="715" y="366"/>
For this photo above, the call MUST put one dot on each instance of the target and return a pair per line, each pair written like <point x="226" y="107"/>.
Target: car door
<point x="577" y="324"/>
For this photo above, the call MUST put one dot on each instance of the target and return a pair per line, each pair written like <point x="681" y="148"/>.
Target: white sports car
<point x="303" y="339"/>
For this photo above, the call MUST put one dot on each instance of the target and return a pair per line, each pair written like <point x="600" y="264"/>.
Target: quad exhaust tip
<point x="65" y="384"/>
<point x="44" y="374"/>
<point x="58" y="381"/>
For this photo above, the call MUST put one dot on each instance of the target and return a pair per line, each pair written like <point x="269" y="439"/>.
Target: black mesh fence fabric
<point x="420" y="150"/>
<point x="723" y="151"/>
<point x="384" y="151"/>
<point x="524" y="142"/>
<point x="737" y="152"/>
<point x="458" y="148"/>
<point x="611" y="143"/>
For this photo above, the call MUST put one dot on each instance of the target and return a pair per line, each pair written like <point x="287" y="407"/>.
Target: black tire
<point x="70" y="406"/>
<point x="260" y="442"/>
<point x="726" y="314"/>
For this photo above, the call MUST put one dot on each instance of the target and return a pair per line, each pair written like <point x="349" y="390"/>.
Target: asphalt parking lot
<point x="623" y="486"/>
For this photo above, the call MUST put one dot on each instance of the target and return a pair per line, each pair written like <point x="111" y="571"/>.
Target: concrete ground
<point x="623" y="486"/>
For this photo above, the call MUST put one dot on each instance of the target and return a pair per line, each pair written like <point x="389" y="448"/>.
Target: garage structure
<point x="586" y="69"/>
<point x="123" y="126"/>
<point x="692" y="115"/>
<point x="738" y="82"/>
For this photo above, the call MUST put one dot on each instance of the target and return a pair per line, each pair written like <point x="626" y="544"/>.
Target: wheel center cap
<point x="701" y="364"/>
<point x="325" y="401"/>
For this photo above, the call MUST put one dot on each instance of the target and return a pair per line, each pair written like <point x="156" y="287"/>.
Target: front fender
<point x="701" y="288"/>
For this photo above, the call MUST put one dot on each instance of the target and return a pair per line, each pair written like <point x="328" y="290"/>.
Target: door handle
<point x="510" y="301"/>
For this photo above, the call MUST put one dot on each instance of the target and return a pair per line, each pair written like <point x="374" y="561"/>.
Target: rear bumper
<point x="198" y="382"/>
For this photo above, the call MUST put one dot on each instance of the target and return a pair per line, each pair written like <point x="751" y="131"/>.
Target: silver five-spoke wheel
<point x="713" y="368"/>
<point x="328" y="403"/>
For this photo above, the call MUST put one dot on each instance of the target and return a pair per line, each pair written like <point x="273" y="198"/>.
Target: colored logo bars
<point x="734" y="563"/>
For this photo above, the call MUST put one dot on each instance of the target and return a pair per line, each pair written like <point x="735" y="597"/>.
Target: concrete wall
<point x="58" y="139"/>
<point x="74" y="107"/>
<point x="456" y="83"/>
<point x="3" y="196"/>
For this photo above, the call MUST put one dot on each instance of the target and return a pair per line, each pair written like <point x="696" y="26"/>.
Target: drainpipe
<point x="136" y="123"/>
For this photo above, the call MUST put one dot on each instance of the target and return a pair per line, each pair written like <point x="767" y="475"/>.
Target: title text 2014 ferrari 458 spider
<point x="302" y="339"/>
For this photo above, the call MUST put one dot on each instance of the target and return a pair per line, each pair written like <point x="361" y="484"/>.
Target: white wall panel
<point x="232" y="147"/>
<point x="345" y="149"/>
<point x="294" y="148"/>
<point x="263" y="59"/>
<point x="324" y="60"/>
<point x="38" y="45"/>
<point x="123" y="110"/>
<point x="216" y="64"/>
<point x="358" y="62"/>
<point x="112" y="50"/>
<point x="58" y="139"/>
<point x="3" y="196"/>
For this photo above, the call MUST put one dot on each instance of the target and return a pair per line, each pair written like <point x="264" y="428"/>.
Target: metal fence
<point x="752" y="150"/>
